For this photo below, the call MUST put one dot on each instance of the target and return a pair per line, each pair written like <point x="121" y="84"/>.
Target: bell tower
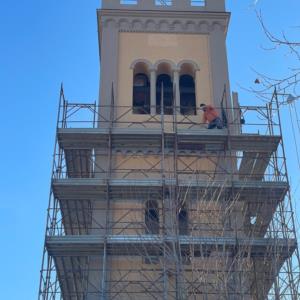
<point x="172" y="43"/>
<point x="147" y="202"/>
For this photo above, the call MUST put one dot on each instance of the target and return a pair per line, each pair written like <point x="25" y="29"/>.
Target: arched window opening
<point x="183" y="221"/>
<point x="187" y="95"/>
<point x="141" y="94"/>
<point x="164" y="91"/>
<point x="152" y="217"/>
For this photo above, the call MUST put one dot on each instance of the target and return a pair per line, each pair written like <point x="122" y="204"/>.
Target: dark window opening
<point x="183" y="222"/>
<point x="164" y="90"/>
<point x="187" y="95"/>
<point x="141" y="94"/>
<point x="152" y="217"/>
<point x="186" y="259"/>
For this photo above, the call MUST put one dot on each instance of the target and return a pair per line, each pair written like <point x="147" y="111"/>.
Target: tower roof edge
<point x="166" y="5"/>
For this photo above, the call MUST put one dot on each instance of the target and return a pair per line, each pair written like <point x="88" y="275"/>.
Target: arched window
<point x="152" y="217"/>
<point x="141" y="94"/>
<point x="164" y="90"/>
<point x="187" y="95"/>
<point x="183" y="221"/>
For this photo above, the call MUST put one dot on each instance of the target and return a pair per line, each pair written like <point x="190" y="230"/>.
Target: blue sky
<point x="43" y="43"/>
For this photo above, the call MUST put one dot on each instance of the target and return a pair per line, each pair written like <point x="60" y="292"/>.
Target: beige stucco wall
<point x="149" y="167"/>
<point x="162" y="46"/>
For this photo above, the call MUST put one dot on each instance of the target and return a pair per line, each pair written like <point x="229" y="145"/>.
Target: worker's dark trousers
<point x="216" y="123"/>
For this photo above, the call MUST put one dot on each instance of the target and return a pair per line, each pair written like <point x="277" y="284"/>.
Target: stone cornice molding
<point x="162" y="14"/>
<point x="188" y="22"/>
<point x="153" y="151"/>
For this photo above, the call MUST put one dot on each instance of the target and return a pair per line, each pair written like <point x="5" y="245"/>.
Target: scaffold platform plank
<point x="95" y="189"/>
<point x="152" y="244"/>
<point x="91" y="138"/>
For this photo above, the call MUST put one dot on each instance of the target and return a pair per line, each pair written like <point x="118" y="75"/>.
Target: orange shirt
<point x="210" y="114"/>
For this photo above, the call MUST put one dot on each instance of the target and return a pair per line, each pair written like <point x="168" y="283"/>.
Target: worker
<point x="211" y="116"/>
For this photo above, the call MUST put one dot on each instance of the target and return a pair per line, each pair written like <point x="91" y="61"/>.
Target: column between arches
<point x="153" y="91"/>
<point x="176" y="77"/>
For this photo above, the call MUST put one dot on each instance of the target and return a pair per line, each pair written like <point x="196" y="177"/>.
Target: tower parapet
<point x="180" y="5"/>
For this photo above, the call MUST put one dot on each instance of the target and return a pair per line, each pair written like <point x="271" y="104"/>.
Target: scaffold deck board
<point x="131" y="244"/>
<point x="90" y="138"/>
<point x="95" y="189"/>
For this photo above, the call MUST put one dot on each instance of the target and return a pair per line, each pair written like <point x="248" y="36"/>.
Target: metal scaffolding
<point x="160" y="207"/>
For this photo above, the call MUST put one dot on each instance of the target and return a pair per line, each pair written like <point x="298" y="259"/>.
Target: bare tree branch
<point x="287" y="84"/>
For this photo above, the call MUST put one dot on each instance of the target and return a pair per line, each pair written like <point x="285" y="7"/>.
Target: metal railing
<point x="244" y="119"/>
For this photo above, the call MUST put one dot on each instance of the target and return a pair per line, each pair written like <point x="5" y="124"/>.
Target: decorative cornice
<point x="154" y="152"/>
<point x="153" y="22"/>
<point x="175" y="5"/>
